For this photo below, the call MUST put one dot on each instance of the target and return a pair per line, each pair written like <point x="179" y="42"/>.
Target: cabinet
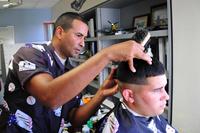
<point x="123" y="13"/>
<point x="2" y="64"/>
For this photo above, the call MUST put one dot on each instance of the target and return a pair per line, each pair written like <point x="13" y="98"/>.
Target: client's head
<point x="143" y="91"/>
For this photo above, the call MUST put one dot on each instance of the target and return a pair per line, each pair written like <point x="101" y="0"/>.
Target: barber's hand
<point x="109" y="87"/>
<point x="126" y="51"/>
<point x="5" y="105"/>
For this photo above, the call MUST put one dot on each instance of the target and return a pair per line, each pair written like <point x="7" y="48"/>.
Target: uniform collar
<point x="63" y="63"/>
<point x="60" y="58"/>
<point x="131" y="111"/>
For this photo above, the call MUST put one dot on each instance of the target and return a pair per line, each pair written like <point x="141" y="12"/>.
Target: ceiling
<point x="32" y="4"/>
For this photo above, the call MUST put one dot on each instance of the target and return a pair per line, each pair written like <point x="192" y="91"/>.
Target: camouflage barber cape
<point x="121" y="120"/>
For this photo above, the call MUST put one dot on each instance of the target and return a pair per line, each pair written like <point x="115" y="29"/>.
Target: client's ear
<point x="128" y="95"/>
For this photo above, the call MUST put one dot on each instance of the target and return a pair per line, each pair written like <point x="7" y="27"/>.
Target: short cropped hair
<point x="143" y="71"/>
<point x="65" y="20"/>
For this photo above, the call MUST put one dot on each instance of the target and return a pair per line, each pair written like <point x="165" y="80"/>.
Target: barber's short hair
<point x="143" y="71"/>
<point x="65" y="20"/>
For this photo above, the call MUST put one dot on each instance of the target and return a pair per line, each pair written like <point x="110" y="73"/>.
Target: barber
<point x="43" y="89"/>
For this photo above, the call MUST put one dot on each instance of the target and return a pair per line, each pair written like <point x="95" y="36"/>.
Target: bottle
<point x="90" y="124"/>
<point x="65" y="130"/>
<point x="85" y="129"/>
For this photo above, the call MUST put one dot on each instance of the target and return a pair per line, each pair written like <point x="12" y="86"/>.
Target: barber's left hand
<point x="110" y="86"/>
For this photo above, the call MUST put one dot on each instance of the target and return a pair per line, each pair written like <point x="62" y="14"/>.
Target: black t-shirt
<point x="33" y="116"/>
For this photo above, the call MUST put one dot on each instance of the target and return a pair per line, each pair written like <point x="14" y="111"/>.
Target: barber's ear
<point x="128" y="95"/>
<point x="59" y="31"/>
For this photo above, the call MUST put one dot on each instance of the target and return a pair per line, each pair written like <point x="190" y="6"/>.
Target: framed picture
<point x="141" y="21"/>
<point x="159" y="16"/>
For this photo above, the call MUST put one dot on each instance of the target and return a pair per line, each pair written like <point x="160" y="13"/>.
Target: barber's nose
<point x="82" y="43"/>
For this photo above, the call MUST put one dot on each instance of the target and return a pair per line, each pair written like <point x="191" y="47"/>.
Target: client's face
<point x="150" y="99"/>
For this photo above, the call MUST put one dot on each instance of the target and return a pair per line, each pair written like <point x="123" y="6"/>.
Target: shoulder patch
<point x="24" y="120"/>
<point x="11" y="87"/>
<point x="39" y="47"/>
<point x="57" y="111"/>
<point x="30" y="100"/>
<point x="26" y="65"/>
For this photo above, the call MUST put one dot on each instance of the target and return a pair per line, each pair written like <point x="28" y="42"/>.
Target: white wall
<point x="65" y="5"/>
<point x="28" y="23"/>
<point x="186" y="53"/>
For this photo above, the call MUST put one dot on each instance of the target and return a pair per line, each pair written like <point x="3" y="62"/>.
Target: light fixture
<point x="77" y="4"/>
<point x="3" y="0"/>
<point x="12" y="3"/>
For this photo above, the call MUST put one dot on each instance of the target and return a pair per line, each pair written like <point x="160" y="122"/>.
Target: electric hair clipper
<point x="143" y="37"/>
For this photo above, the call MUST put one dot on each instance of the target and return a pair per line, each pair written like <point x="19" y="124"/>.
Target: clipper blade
<point x="142" y="36"/>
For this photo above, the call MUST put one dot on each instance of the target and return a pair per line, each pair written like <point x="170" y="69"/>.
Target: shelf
<point x="78" y="60"/>
<point x="116" y="37"/>
<point x="94" y="84"/>
<point x="91" y="39"/>
<point x="116" y="11"/>
<point x="158" y="33"/>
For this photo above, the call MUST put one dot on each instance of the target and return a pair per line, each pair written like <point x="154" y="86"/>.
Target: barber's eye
<point x="79" y="35"/>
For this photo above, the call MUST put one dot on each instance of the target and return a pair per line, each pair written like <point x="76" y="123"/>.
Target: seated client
<point x="144" y="100"/>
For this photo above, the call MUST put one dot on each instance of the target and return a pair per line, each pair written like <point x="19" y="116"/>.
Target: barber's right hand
<point x="126" y="51"/>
